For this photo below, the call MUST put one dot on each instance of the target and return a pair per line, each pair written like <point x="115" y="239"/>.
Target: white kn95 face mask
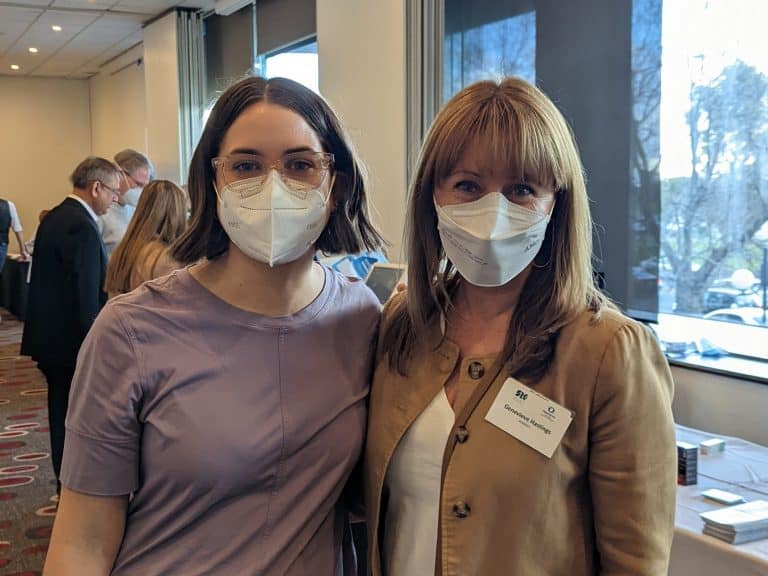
<point x="490" y="240"/>
<point x="269" y="221"/>
<point x="131" y="196"/>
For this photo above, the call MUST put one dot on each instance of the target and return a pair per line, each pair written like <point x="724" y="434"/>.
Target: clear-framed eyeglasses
<point x="299" y="171"/>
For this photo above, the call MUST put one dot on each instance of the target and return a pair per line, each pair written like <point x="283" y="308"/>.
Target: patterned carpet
<point x="26" y="477"/>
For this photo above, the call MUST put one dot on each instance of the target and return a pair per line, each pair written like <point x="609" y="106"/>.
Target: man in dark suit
<point x="66" y="290"/>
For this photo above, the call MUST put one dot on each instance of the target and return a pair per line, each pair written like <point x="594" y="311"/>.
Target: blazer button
<point x="462" y="434"/>
<point x="476" y="370"/>
<point x="461" y="509"/>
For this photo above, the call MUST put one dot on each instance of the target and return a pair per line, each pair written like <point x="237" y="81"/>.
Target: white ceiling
<point x="93" y="32"/>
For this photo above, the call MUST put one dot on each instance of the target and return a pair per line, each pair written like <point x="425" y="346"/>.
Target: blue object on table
<point x="357" y="265"/>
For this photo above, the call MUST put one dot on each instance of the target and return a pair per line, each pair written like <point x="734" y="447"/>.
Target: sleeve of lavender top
<point x="101" y="450"/>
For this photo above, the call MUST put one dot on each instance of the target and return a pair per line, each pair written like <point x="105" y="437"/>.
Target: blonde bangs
<point x="515" y="134"/>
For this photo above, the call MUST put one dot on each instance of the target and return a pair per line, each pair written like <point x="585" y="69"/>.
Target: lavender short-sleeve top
<point x="235" y="432"/>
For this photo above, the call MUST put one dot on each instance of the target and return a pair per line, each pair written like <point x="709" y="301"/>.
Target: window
<point x="674" y="141"/>
<point x="298" y="63"/>
<point x="700" y="168"/>
<point x="487" y="40"/>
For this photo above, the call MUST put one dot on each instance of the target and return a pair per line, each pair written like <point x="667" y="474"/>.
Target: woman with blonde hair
<point x="519" y="424"/>
<point x="144" y="252"/>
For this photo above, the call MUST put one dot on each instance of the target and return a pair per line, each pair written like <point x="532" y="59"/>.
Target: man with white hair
<point x="137" y="171"/>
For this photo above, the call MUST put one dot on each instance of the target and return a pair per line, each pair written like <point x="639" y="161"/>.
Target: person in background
<point x="9" y="220"/>
<point x="137" y="171"/>
<point x="30" y="244"/>
<point x="144" y="251"/>
<point x="217" y="413"/>
<point x="66" y="287"/>
<point x="519" y="424"/>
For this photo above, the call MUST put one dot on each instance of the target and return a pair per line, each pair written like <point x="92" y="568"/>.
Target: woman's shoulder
<point x="591" y="337"/>
<point x="166" y="293"/>
<point x="603" y="324"/>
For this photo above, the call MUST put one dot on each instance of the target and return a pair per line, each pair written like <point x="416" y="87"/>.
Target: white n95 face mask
<point x="270" y="222"/>
<point x="131" y="196"/>
<point x="490" y="240"/>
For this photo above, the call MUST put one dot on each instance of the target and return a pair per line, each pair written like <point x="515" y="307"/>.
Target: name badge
<point x="530" y="417"/>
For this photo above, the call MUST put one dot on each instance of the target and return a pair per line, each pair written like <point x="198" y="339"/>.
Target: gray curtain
<point x="191" y="56"/>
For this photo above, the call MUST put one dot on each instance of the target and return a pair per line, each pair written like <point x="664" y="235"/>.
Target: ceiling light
<point x="33" y="49"/>
<point x="15" y="67"/>
<point x="56" y="28"/>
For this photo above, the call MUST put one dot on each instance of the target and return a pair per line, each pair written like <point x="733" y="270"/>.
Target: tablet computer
<point x="383" y="279"/>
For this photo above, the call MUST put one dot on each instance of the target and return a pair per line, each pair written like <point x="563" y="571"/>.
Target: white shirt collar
<point x="83" y="202"/>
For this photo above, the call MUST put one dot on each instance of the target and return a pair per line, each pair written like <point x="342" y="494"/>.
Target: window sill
<point x="730" y="349"/>
<point x="732" y="366"/>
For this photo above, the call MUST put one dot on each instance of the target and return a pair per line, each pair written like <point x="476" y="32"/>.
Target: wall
<point x="592" y="87"/>
<point x="721" y="404"/>
<point x="161" y="89"/>
<point x="46" y="132"/>
<point x="361" y="49"/>
<point x="118" y="115"/>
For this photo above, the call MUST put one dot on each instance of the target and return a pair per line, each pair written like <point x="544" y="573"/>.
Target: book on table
<point x="738" y="524"/>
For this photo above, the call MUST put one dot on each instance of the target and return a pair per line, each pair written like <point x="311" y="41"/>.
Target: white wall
<point x="118" y="115"/>
<point x="161" y="89"/>
<point x="361" y="47"/>
<point x="721" y="404"/>
<point x="46" y="132"/>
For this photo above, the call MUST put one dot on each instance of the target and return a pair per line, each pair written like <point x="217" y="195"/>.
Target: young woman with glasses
<point x="217" y="413"/>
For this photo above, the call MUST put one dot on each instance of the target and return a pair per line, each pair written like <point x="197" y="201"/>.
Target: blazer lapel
<point x="425" y="378"/>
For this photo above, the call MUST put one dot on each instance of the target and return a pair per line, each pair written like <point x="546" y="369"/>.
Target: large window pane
<point x="701" y="131"/>
<point x="486" y="40"/>
<point x="298" y="63"/>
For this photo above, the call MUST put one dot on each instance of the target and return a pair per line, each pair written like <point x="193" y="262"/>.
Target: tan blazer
<point x="604" y="503"/>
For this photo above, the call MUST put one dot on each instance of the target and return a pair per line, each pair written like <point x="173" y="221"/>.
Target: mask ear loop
<point x="330" y="189"/>
<point x="548" y="263"/>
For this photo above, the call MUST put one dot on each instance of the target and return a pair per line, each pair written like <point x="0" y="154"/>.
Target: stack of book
<point x="687" y="463"/>
<point x="738" y="524"/>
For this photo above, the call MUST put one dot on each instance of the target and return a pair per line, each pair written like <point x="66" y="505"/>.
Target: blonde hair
<point x="521" y="128"/>
<point x="160" y="217"/>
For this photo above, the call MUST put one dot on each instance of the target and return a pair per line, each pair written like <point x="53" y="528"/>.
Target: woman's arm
<point x="633" y="459"/>
<point x="100" y="466"/>
<point x="22" y="245"/>
<point x="86" y="535"/>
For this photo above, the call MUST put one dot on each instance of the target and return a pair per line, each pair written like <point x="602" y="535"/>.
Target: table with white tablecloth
<point x="743" y="469"/>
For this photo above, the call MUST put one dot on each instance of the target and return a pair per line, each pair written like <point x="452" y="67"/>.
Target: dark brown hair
<point x="348" y="229"/>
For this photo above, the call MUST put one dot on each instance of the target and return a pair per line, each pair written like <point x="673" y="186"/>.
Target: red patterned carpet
<point x="26" y="476"/>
